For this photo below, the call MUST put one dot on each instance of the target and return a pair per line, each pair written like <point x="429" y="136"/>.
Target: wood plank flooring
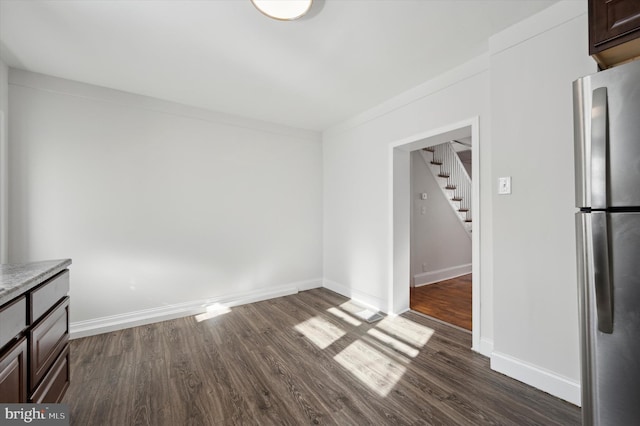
<point x="448" y="301"/>
<point x="300" y="359"/>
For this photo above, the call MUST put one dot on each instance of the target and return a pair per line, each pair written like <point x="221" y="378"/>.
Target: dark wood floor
<point x="301" y="359"/>
<point x="448" y="301"/>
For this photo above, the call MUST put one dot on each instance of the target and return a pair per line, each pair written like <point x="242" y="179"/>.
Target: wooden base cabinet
<point x="13" y="373"/>
<point x="34" y="343"/>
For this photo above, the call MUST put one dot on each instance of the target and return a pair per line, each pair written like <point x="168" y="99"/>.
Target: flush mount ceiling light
<point x="283" y="10"/>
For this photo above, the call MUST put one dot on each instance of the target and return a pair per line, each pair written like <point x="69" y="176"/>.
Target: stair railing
<point x="458" y="183"/>
<point x="458" y="180"/>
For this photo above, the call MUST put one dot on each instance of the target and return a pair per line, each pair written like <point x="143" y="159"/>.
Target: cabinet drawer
<point x="13" y="373"/>
<point x="47" y="295"/>
<point x="55" y="382"/>
<point x="13" y="320"/>
<point x="47" y="339"/>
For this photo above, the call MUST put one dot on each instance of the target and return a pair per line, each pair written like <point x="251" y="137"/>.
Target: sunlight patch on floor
<point x="394" y="343"/>
<point x="377" y="354"/>
<point x="320" y="331"/>
<point x="351" y="307"/>
<point x="213" y="311"/>
<point x="406" y="330"/>
<point x="344" y="316"/>
<point x="374" y="369"/>
<point x="361" y="312"/>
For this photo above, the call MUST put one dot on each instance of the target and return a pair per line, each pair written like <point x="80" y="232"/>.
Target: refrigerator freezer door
<point x="622" y="126"/>
<point x="611" y="361"/>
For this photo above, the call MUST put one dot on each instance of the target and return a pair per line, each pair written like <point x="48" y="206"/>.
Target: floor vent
<point x="369" y="316"/>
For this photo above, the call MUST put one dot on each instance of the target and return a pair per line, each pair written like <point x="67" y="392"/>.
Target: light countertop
<point x="17" y="278"/>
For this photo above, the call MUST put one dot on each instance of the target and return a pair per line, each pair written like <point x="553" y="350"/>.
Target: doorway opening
<point x="404" y="210"/>
<point x="441" y="231"/>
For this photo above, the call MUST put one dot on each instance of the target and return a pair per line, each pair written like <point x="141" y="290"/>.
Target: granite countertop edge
<point x="18" y="278"/>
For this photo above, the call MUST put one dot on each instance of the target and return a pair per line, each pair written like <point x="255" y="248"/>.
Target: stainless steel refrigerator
<point x="607" y="166"/>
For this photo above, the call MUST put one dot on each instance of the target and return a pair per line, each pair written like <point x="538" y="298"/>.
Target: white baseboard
<point x="537" y="377"/>
<point x="485" y="347"/>
<point x="362" y="299"/>
<point x="308" y="285"/>
<point x="441" y="275"/>
<point x="101" y="325"/>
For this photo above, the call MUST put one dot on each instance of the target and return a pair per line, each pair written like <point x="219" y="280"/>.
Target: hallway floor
<point x="448" y="301"/>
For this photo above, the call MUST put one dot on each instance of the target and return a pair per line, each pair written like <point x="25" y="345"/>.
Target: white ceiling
<point x="344" y="57"/>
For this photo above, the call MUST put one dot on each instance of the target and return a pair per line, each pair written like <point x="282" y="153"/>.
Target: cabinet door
<point x="13" y="373"/>
<point x="612" y="22"/>
<point x="55" y="383"/>
<point x="47" y="339"/>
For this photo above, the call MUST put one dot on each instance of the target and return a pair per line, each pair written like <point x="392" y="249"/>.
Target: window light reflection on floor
<point x="351" y="307"/>
<point x="378" y="358"/>
<point x="213" y="311"/>
<point x="374" y="369"/>
<point x="320" y="331"/>
<point x="394" y="343"/>
<point x="344" y="316"/>
<point x="406" y="330"/>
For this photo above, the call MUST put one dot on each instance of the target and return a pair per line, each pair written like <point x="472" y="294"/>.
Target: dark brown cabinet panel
<point x="614" y="31"/>
<point x="55" y="382"/>
<point x="13" y="320"/>
<point x="47" y="295"/>
<point x="47" y="339"/>
<point x="13" y="373"/>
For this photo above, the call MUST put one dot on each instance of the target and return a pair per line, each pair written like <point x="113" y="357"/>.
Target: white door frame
<point x="399" y="213"/>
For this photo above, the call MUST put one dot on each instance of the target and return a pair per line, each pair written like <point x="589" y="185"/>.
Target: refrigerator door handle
<point x="602" y="280"/>
<point x="599" y="146"/>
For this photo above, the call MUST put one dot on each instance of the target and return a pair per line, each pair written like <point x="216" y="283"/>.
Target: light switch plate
<point x="504" y="185"/>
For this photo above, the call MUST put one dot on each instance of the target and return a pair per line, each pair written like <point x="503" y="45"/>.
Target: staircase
<point x="452" y="178"/>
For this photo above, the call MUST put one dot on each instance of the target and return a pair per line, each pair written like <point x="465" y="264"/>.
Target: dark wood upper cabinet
<point x="614" y="31"/>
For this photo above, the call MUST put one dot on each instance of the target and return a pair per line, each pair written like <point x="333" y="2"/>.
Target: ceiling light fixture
<point x="283" y="10"/>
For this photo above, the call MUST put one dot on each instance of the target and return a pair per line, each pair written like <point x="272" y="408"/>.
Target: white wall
<point x="157" y="203"/>
<point x="439" y="243"/>
<point x="357" y="162"/>
<point x="527" y="241"/>
<point x="4" y="161"/>
<point x="536" y="319"/>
